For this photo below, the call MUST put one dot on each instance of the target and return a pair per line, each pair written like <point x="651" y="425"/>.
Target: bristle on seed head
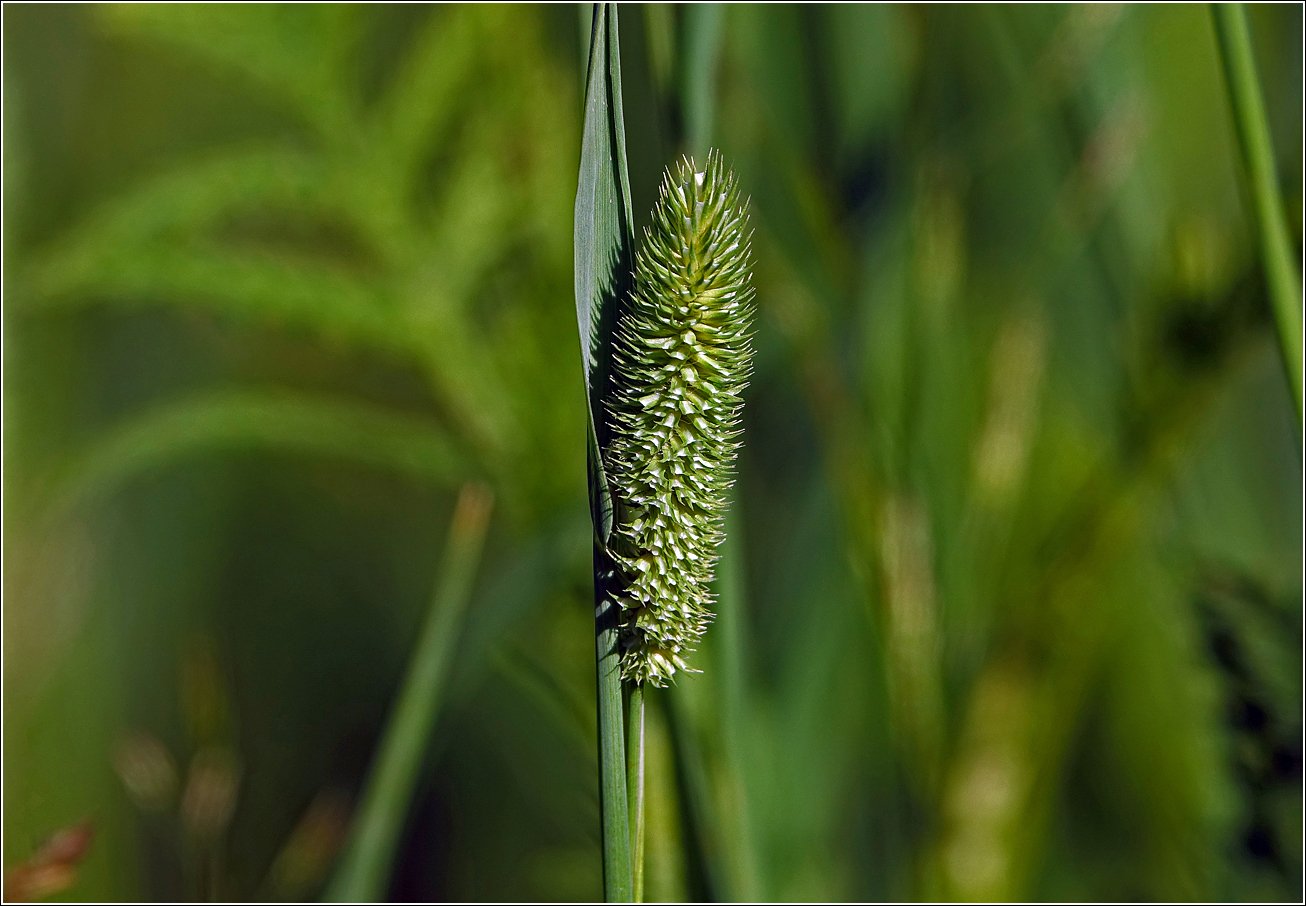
<point x="682" y="357"/>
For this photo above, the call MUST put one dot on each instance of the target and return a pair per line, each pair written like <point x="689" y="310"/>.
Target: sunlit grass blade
<point x="364" y="872"/>
<point x="181" y="202"/>
<point x="604" y="233"/>
<point x="294" y="54"/>
<point x="700" y="44"/>
<point x="242" y="287"/>
<point x="1253" y="130"/>
<point x="257" y="420"/>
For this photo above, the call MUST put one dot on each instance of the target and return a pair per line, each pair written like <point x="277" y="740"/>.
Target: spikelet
<point x="682" y="355"/>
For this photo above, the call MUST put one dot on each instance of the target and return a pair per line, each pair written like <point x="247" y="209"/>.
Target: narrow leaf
<point x="298" y="54"/>
<point x="1253" y="128"/>
<point x="604" y="231"/>
<point x="258" y="420"/>
<point x="244" y="287"/>
<point x="700" y="48"/>
<point x="364" y="873"/>
<point x="604" y="226"/>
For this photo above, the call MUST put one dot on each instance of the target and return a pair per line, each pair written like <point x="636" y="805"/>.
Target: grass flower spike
<point x="682" y="355"/>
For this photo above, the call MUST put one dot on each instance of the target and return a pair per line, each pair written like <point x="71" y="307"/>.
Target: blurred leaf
<point x="665" y="871"/>
<point x="248" y="287"/>
<point x="423" y="95"/>
<point x="180" y="203"/>
<point x="514" y="592"/>
<point x="872" y="59"/>
<point x="314" y="843"/>
<point x="734" y="663"/>
<point x="260" y="420"/>
<point x="374" y="835"/>
<point x="147" y="770"/>
<point x="53" y="868"/>
<point x="700" y="47"/>
<point x="295" y="52"/>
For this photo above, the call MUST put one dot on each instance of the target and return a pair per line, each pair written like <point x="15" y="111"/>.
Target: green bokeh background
<point x="1015" y="568"/>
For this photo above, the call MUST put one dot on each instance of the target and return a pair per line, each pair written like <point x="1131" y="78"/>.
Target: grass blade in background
<point x="258" y="420"/>
<point x="701" y="44"/>
<point x="699" y="827"/>
<point x="1253" y="130"/>
<point x="732" y="667"/>
<point x="604" y="232"/>
<point x="364" y="872"/>
<point x="713" y="795"/>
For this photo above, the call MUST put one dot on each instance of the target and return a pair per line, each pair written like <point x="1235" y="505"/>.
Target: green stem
<point x="635" y="785"/>
<point x="602" y="246"/>
<point x="365" y="867"/>
<point x="614" y="809"/>
<point x="1254" y="137"/>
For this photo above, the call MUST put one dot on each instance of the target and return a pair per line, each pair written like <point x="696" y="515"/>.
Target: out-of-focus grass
<point x="1015" y="606"/>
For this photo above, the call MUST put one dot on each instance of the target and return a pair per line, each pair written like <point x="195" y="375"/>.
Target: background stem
<point x="701" y="44"/>
<point x="635" y="785"/>
<point x="1253" y="130"/>
<point x="365" y="868"/>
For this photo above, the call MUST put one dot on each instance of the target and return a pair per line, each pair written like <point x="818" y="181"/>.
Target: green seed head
<point x="682" y="355"/>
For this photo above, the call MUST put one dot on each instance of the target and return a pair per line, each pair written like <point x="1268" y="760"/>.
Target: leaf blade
<point x="256" y="419"/>
<point x="364" y="871"/>
<point x="603" y="252"/>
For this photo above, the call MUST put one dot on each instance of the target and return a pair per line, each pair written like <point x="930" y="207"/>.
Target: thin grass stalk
<point x="614" y="808"/>
<point x="635" y="784"/>
<point x="1253" y="128"/>
<point x="364" y="872"/>
<point x="602" y="246"/>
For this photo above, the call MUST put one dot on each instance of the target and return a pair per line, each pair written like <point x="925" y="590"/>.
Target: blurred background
<point x="1012" y="602"/>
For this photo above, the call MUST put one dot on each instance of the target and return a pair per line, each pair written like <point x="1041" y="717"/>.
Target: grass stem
<point x="365" y="867"/>
<point x="614" y="808"/>
<point x="602" y="248"/>
<point x="635" y="785"/>
<point x="1253" y="128"/>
